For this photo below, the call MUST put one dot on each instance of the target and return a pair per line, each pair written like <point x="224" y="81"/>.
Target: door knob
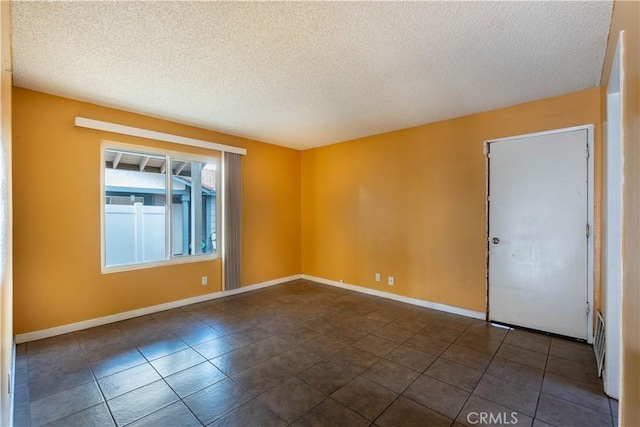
<point x="495" y="240"/>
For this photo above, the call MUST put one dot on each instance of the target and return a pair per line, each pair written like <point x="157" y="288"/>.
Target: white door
<point x="538" y="256"/>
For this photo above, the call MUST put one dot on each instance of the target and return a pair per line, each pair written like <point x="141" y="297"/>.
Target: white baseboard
<point x="414" y="301"/>
<point x="99" y="321"/>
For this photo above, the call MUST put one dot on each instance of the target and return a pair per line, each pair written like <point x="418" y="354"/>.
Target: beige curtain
<point x="233" y="220"/>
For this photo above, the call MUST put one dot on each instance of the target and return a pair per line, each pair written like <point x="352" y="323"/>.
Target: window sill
<point x="156" y="264"/>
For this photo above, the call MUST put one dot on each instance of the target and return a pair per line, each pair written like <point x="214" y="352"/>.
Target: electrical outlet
<point x="204" y="280"/>
<point x="377" y="277"/>
<point x="390" y="280"/>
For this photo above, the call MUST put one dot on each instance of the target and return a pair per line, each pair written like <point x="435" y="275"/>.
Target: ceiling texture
<point x="307" y="74"/>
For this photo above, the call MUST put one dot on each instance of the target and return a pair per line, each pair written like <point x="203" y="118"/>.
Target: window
<point x="158" y="207"/>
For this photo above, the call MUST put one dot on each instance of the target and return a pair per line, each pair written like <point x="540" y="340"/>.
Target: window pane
<point x="135" y="208"/>
<point x="193" y="208"/>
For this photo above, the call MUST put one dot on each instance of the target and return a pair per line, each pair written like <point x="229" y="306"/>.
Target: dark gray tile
<point x="454" y="373"/>
<point x="177" y="362"/>
<point x="174" y="318"/>
<point x="376" y="345"/>
<point x="482" y="412"/>
<point x="478" y="343"/>
<point x="196" y="378"/>
<point x="58" y="347"/>
<point x="443" y="333"/>
<point x="454" y="321"/>
<point x="409" y="323"/>
<point x="324" y="346"/>
<point x="427" y="344"/>
<point x="252" y="413"/>
<point x="106" y="335"/>
<point x="250" y="336"/>
<point x="560" y="412"/>
<point x="21" y="414"/>
<point x="238" y="360"/>
<point x="269" y="347"/>
<point x="364" y="397"/>
<point x="528" y="340"/>
<point x="572" y="350"/>
<point x="385" y="314"/>
<point x="330" y="413"/>
<point x="321" y="325"/>
<point x="394" y="333"/>
<point x="487" y="330"/>
<point x="391" y="375"/>
<point x="575" y="370"/>
<point x="64" y="403"/>
<point x="296" y="360"/>
<point x="523" y="356"/>
<point x="354" y="359"/>
<point x="118" y="360"/>
<point x="326" y="377"/>
<point x="216" y="400"/>
<point x="195" y="335"/>
<point x="133" y="327"/>
<point x="176" y="414"/>
<point x="299" y="335"/>
<point x="406" y="413"/>
<point x="50" y="377"/>
<point x="436" y="395"/>
<point x="346" y="334"/>
<point x="261" y="377"/>
<point x="613" y="404"/>
<point x="291" y="399"/>
<point x="269" y="322"/>
<point x="538" y="423"/>
<point x="140" y="402"/>
<point x="125" y="381"/>
<point x="217" y="347"/>
<point x="156" y="348"/>
<point x="515" y="396"/>
<point x="515" y="372"/>
<point x="366" y="324"/>
<point x="591" y="396"/>
<point x="95" y="416"/>
<point x="411" y="358"/>
<point x="468" y="357"/>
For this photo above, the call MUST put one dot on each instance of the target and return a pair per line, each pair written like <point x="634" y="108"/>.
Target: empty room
<point x="319" y="213"/>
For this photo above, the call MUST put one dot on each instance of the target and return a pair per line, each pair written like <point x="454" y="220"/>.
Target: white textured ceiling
<point x="306" y="74"/>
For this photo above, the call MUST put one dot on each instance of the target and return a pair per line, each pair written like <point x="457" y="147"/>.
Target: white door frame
<point x="613" y="234"/>
<point x="590" y="210"/>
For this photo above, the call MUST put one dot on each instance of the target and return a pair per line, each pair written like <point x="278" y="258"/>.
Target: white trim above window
<point x="158" y="136"/>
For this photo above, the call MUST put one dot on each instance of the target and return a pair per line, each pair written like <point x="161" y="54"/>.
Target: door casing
<point x="590" y="211"/>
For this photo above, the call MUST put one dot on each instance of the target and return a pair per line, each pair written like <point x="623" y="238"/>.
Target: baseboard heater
<point x="599" y="343"/>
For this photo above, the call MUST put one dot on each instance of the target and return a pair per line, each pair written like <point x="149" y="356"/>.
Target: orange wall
<point x="625" y="17"/>
<point x="56" y="184"/>
<point x="411" y="203"/>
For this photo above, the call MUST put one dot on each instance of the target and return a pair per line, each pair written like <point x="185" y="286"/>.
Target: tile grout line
<point x="493" y="356"/>
<point x="95" y="379"/>
<point x="421" y="373"/>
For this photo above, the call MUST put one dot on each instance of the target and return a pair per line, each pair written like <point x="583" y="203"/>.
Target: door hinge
<point x="588" y="310"/>
<point x="588" y="152"/>
<point x="588" y="231"/>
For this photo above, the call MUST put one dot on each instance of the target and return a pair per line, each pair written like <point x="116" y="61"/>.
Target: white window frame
<point x="169" y="155"/>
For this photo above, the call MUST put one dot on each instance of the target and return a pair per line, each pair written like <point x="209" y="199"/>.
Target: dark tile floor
<point x="305" y="354"/>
